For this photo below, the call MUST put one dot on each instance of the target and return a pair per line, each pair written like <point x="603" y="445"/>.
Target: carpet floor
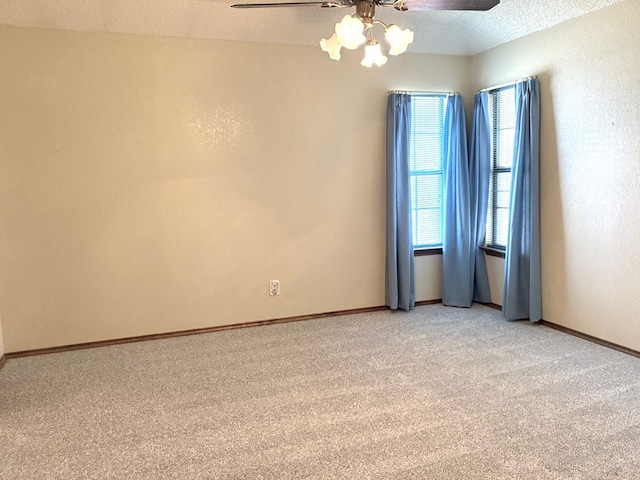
<point x="437" y="393"/>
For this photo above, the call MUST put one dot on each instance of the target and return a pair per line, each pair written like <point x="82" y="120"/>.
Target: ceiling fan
<point x="350" y="32"/>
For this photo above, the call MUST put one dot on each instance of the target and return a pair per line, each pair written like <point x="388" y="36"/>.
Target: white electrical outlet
<point x="274" y="287"/>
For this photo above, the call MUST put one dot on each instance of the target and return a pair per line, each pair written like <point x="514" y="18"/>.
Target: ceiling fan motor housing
<point x="365" y="9"/>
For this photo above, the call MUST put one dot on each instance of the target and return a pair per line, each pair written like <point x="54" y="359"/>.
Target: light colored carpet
<point x="438" y="393"/>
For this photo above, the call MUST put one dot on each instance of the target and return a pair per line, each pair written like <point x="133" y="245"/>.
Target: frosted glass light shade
<point x="350" y="32"/>
<point x="332" y="46"/>
<point x="373" y="55"/>
<point x="398" y="39"/>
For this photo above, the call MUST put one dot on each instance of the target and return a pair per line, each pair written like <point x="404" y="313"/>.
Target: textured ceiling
<point x="435" y="32"/>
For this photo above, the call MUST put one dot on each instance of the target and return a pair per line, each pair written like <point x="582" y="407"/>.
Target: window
<point x="426" y="162"/>
<point x="502" y="114"/>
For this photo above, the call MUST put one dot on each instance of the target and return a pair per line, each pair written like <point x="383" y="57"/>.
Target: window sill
<point x="423" y="252"/>
<point x="493" y="252"/>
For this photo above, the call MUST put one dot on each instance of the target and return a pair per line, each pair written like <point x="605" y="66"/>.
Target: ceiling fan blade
<point x="292" y="4"/>
<point x="416" y="5"/>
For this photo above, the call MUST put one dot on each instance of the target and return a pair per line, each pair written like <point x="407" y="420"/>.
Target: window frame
<point x="427" y="249"/>
<point x="491" y="245"/>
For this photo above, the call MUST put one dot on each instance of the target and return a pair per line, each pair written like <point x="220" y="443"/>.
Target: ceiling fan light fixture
<point x="332" y="46"/>
<point x="398" y="39"/>
<point x="350" y="32"/>
<point x="373" y="54"/>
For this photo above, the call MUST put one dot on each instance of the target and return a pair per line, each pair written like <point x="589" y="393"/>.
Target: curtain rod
<point x="508" y="84"/>
<point x="429" y="92"/>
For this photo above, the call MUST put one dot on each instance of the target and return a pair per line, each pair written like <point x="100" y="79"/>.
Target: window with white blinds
<point x="426" y="162"/>
<point x="502" y="113"/>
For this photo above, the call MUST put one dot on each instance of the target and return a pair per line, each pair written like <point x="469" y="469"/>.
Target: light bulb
<point x="373" y="55"/>
<point x="332" y="46"/>
<point x="349" y="32"/>
<point x="398" y="39"/>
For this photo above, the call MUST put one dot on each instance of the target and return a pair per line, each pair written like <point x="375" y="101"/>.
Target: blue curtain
<point x="458" y="259"/>
<point x="479" y="173"/>
<point x="522" y="285"/>
<point x="400" y="281"/>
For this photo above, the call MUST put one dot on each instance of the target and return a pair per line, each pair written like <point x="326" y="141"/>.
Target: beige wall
<point x="495" y="270"/>
<point x="428" y="275"/>
<point x="589" y="70"/>
<point x="154" y="184"/>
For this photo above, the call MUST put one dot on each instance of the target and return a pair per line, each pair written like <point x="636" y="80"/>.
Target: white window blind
<point x="426" y="162"/>
<point x="502" y="109"/>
